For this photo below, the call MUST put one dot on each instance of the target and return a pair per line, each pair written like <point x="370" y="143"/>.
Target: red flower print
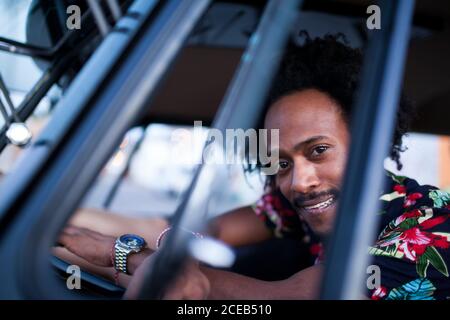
<point x="400" y="189"/>
<point x="430" y="223"/>
<point x="415" y="236"/>
<point x="410" y="251"/>
<point x="315" y="249"/>
<point x="379" y="293"/>
<point x="410" y="199"/>
<point x="440" y="242"/>
<point x="407" y="215"/>
<point x="414" y="242"/>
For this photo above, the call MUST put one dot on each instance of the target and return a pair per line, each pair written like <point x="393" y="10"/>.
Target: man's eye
<point x="283" y="164"/>
<point x="317" y="151"/>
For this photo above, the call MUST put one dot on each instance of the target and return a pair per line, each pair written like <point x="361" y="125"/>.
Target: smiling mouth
<point x="319" y="207"/>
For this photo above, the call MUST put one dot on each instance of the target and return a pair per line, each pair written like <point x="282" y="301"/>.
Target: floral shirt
<point x="412" y="246"/>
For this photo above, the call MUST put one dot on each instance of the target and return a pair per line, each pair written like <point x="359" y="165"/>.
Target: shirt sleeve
<point x="411" y="253"/>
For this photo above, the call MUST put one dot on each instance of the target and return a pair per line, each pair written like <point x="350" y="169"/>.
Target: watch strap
<point x="120" y="259"/>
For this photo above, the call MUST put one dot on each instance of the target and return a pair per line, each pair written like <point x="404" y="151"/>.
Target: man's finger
<point x="66" y="238"/>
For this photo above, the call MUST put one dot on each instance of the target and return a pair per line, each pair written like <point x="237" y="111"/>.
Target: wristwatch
<point x="126" y="245"/>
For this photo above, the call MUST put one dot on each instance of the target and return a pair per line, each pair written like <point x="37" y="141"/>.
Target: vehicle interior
<point x="89" y="115"/>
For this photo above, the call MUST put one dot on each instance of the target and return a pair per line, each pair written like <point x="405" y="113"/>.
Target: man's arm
<point x="237" y="227"/>
<point x="92" y="251"/>
<point x="199" y="282"/>
<point x="195" y="281"/>
<point x="227" y="285"/>
<point x="113" y="224"/>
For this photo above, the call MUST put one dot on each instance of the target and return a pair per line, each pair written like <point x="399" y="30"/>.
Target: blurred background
<point x="151" y="181"/>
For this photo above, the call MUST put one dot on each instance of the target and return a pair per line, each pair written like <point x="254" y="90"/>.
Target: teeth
<point x="320" y="205"/>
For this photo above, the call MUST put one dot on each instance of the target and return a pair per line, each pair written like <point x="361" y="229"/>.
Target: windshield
<point x="37" y="63"/>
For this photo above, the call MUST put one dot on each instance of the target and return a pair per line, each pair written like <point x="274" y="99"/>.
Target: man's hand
<point x="97" y="248"/>
<point x="92" y="246"/>
<point x="190" y="284"/>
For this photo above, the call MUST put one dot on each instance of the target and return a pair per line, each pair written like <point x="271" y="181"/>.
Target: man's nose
<point x="304" y="178"/>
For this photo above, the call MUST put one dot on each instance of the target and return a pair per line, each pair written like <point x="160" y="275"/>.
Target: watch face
<point x="132" y="241"/>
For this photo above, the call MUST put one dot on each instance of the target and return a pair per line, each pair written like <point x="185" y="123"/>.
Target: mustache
<point x="300" y="199"/>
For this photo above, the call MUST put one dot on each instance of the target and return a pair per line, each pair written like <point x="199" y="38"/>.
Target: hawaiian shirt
<point x="412" y="246"/>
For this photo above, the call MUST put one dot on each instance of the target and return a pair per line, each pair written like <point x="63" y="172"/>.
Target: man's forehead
<point x="305" y="128"/>
<point x="301" y="119"/>
<point x="296" y="115"/>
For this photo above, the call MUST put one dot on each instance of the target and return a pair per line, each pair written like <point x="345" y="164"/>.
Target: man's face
<point x="314" y="141"/>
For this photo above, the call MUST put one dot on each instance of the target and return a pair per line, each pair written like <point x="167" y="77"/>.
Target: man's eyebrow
<point x="313" y="139"/>
<point x="301" y="144"/>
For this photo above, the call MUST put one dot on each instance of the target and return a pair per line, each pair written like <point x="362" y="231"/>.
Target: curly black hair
<point x="330" y="65"/>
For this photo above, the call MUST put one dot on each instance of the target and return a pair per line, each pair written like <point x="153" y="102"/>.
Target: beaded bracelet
<point x="166" y="230"/>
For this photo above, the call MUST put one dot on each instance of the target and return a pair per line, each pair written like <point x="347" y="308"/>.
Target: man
<point x="310" y="103"/>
